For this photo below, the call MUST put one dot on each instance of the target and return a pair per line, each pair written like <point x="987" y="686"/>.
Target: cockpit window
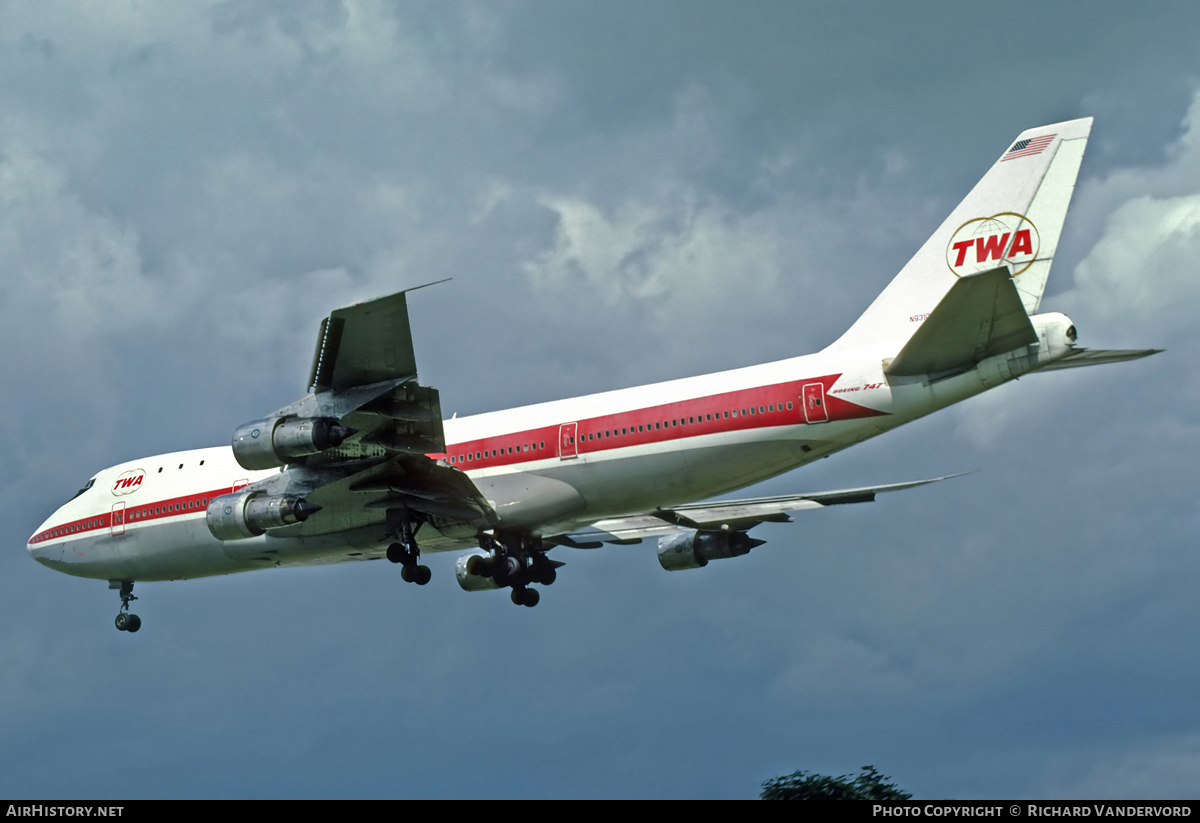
<point x="85" y="488"/>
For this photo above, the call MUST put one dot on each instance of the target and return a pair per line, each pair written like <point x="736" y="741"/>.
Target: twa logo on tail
<point x="988" y="242"/>
<point x="129" y="482"/>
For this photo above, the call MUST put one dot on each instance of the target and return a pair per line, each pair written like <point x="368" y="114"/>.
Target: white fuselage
<point x="544" y="468"/>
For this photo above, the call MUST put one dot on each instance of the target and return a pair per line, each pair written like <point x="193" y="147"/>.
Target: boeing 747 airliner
<point x="364" y="466"/>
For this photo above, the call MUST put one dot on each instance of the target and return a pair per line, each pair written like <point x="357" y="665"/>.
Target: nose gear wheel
<point x="125" y="621"/>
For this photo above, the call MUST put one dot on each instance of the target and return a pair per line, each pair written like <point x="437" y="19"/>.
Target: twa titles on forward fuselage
<point x="364" y="466"/>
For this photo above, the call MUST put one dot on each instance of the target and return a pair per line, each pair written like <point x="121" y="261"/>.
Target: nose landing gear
<point x="125" y="621"/>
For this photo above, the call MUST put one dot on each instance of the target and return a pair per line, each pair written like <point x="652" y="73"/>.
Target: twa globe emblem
<point x="987" y="243"/>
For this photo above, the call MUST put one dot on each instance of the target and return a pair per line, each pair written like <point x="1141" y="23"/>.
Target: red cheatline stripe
<point x="158" y="510"/>
<point x="715" y="414"/>
<point x="756" y="408"/>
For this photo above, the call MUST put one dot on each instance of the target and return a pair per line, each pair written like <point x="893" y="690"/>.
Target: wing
<point x="722" y="515"/>
<point x="363" y="344"/>
<point x="370" y="435"/>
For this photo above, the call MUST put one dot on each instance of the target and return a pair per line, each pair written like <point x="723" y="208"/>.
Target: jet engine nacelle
<point x="249" y="514"/>
<point x="275" y="441"/>
<point x="474" y="571"/>
<point x="693" y="549"/>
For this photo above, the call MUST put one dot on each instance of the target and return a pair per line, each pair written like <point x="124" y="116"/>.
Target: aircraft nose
<point x="44" y="552"/>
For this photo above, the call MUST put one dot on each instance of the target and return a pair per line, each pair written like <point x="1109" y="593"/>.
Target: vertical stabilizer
<point x="1047" y="212"/>
<point x="1014" y="217"/>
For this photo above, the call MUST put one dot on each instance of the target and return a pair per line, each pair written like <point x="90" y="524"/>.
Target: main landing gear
<point x="407" y="553"/>
<point x="125" y="621"/>
<point x="517" y="562"/>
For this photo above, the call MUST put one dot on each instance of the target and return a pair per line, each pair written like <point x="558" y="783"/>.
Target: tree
<point x="869" y="785"/>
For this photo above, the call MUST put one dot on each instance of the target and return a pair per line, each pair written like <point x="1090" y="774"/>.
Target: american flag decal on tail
<point x="1028" y="147"/>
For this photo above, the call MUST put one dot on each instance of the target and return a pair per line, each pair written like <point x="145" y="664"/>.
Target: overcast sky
<point x="623" y="192"/>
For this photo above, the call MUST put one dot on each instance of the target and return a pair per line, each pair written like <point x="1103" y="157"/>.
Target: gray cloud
<point x="623" y="193"/>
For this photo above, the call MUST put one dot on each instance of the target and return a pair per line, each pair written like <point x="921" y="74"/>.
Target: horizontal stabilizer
<point x="980" y="316"/>
<point x="1098" y="357"/>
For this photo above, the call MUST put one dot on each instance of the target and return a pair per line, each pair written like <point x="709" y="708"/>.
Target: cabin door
<point x="814" y="403"/>
<point x="117" y="523"/>
<point x="567" y="447"/>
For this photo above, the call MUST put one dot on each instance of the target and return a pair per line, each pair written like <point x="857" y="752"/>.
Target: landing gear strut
<point x="407" y="553"/>
<point x="125" y="621"/>
<point x="519" y="560"/>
